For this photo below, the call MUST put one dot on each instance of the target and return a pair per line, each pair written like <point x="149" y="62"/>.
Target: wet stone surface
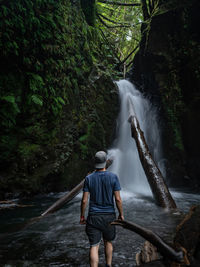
<point x="59" y="240"/>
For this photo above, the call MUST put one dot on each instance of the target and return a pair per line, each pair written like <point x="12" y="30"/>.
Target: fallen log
<point x="154" y="176"/>
<point x="164" y="249"/>
<point x="65" y="199"/>
<point x="70" y="195"/>
<point x="187" y="238"/>
<point x="6" y="202"/>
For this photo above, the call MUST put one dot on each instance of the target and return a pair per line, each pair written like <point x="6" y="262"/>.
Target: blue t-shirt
<point x="101" y="186"/>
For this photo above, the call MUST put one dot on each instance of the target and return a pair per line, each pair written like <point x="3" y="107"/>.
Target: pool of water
<point x="59" y="240"/>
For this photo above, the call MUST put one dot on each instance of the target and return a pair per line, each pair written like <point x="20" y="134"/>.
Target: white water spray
<point x="126" y="162"/>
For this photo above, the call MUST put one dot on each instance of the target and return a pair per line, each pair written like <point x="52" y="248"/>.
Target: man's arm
<point x="83" y="206"/>
<point x="118" y="202"/>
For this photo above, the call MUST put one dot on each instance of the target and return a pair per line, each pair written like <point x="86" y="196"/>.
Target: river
<point x="59" y="240"/>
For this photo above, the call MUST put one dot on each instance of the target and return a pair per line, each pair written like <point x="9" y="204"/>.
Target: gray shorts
<point x="98" y="226"/>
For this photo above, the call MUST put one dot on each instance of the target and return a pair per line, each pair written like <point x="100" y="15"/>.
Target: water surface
<point x="59" y="240"/>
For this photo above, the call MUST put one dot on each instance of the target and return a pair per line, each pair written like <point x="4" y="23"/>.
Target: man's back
<point x="101" y="185"/>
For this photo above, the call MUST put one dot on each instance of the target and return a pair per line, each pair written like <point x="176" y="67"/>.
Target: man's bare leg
<point x="108" y="252"/>
<point x="94" y="256"/>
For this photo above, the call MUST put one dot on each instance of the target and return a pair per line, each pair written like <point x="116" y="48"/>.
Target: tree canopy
<point x="120" y="23"/>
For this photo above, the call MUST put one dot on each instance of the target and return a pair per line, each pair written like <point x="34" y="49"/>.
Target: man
<point x="102" y="186"/>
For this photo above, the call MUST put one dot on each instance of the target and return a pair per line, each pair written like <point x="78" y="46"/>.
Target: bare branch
<point x="123" y="61"/>
<point x="118" y="3"/>
<point x="111" y="27"/>
<point x="110" y="45"/>
<point x="110" y="20"/>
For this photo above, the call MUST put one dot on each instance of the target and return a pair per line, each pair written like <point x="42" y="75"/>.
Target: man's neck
<point x="100" y="170"/>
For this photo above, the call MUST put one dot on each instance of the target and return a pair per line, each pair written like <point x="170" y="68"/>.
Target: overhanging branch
<point x="123" y="61"/>
<point x="111" y="27"/>
<point x="110" y="46"/>
<point x="118" y="3"/>
<point x="110" y="20"/>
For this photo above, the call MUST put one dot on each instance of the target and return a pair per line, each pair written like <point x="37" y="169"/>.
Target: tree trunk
<point x="145" y="10"/>
<point x="154" y="239"/>
<point x="153" y="174"/>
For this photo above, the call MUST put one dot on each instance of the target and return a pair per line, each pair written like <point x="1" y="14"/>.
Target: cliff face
<point x="57" y="98"/>
<point x="167" y="69"/>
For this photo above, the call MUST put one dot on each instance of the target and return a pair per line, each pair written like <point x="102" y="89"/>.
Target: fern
<point x="37" y="100"/>
<point x="11" y="99"/>
<point x="62" y="101"/>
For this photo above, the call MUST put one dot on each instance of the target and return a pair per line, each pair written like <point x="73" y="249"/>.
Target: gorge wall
<point x="56" y="90"/>
<point x="167" y="69"/>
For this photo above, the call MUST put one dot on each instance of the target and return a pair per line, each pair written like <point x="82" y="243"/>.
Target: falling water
<point x="126" y="162"/>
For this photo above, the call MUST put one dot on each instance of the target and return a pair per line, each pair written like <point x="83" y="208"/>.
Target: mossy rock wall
<point x="167" y="69"/>
<point x="57" y="100"/>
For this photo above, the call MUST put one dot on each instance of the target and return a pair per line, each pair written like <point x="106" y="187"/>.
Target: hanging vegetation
<point x="53" y="92"/>
<point x="120" y="24"/>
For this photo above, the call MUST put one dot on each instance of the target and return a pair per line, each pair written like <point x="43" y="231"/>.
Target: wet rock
<point x="148" y="253"/>
<point x="165" y="69"/>
<point x="188" y="234"/>
<point x="187" y="237"/>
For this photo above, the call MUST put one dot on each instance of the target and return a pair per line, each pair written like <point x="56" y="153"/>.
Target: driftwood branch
<point x="69" y="196"/>
<point x="65" y="199"/>
<point x="154" y="176"/>
<point x="118" y="3"/>
<point x="9" y="204"/>
<point x="153" y="238"/>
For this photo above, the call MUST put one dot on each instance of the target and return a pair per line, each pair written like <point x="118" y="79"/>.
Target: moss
<point x="53" y="70"/>
<point x="173" y="104"/>
<point x="26" y="149"/>
<point x="167" y="68"/>
<point x="85" y="139"/>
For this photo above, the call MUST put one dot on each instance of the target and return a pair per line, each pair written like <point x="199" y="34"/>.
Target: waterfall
<point x="126" y="162"/>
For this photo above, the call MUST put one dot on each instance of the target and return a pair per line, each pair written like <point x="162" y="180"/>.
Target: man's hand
<point x="121" y="217"/>
<point x="82" y="220"/>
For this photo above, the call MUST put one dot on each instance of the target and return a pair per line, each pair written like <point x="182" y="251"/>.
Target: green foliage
<point x="85" y="139"/>
<point x="26" y="149"/>
<point x="51" y="61"/>
<point x="173" y="102"/>
<point x="9" y="110"/>
<point x="120" y="26"/>
<point x="175" y="126"/>
<point x="37" y="100"/>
